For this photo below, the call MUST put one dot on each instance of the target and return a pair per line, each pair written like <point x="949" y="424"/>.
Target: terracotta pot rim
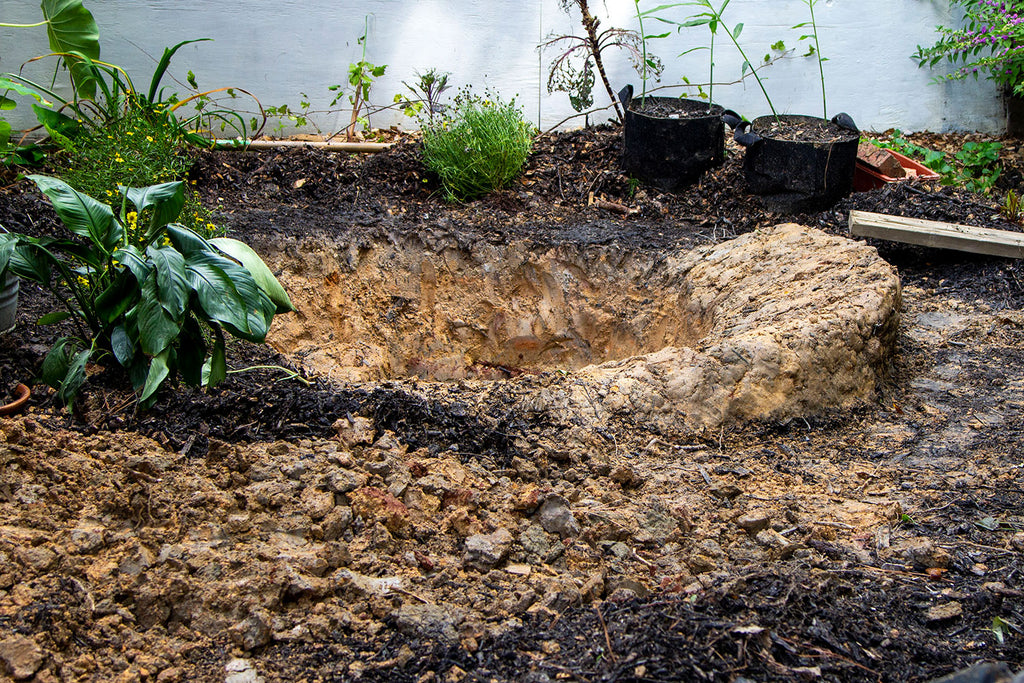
<point x="22" y="393"/>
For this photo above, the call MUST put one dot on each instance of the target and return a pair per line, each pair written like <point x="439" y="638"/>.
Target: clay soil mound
<point x="451" y="511"/>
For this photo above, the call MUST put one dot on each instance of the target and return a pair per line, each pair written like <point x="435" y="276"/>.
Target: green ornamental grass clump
<point x="479" y="145"/>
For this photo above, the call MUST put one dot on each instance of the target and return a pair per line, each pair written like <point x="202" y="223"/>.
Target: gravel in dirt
<point x="406" y="530"/>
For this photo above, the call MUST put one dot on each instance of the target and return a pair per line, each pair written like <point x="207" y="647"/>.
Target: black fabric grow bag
<point x="667" y="142"/>
<point x="799" y="175"/>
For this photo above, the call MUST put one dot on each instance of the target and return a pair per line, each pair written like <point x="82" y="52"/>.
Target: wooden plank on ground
<point x="936" y="234"/>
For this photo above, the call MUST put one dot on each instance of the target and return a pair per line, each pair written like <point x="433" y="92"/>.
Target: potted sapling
<point x="668" y="141"/>
<point x="798" y="163"/>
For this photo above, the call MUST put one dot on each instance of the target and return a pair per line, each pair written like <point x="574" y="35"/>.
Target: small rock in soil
<point x="428" y="621"/>
<point x="250" y="633"/>
<point x="354" y="431"/>
<point x="924" y="553"/>
<point x="988" y="672"/>
<point x="22" y="657"/>
<point x="753" y="522"/>
<point x="556" y="517"/>
<point x="486" y="551"/>
<point x="944" y="612"/>
<point x="241" y="671"/>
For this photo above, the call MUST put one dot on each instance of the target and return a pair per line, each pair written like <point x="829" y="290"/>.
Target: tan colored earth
<point x="141" y="563"/>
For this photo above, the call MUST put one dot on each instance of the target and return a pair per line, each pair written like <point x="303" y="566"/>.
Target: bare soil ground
<point x="405" y="530"/>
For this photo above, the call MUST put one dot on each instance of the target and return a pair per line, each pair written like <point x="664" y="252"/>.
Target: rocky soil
<point x="405" y="529"/>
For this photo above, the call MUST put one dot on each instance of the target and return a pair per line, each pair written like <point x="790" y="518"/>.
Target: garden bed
<point x="383" y="525"/>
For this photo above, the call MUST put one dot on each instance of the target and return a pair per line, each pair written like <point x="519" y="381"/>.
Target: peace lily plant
<point x="151" y="293"/>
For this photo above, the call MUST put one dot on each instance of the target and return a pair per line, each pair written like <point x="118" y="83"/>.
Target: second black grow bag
<point x="799" y="163"/>
<point x="669" y="142"/>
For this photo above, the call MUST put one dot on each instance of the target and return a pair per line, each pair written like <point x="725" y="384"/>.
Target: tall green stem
<point x="752" y="70"/>
<point x="643" y="49"/>
<point x="41" y="23"/>
<point x="821" y="67"/>
<point x="711" y="84"/>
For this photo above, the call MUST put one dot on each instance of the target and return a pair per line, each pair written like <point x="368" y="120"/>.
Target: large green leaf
<point x="71" y="28"/>
<point x="117" y="298"/>
<point x="172" y="283"/>
<point x="244" y="254"/>
<point x="159" y="369"/>
<point x="187" y="241"/>
<point x="216" y="369"/>
<point x="64" y="370"/>
<point x="122" y="346"/>
<point x="57" y="123"/>
<point x="191" y="352"/>
<point x="32" y="263"/>
<point x="74" y="379"/>
<point x="52" y="318"/>
<point x="80" y="213"/>
<point x="134" y="261"/>
<point x="220" y="300"/>
<point x="227" y="292"/>
<point x="22" y="89"/>
<point x="7" y="244"/>
<point x="259" y="308"/>
<point x="166" y="201"/>
<point x="157" y="328"/>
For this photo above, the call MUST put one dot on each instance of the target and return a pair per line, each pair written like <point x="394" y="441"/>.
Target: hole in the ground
<point x="494" y="311"/>
<point x="779" y="323"/>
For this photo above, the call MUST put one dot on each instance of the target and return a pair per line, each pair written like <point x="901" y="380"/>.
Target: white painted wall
<point x="279" y="48"/>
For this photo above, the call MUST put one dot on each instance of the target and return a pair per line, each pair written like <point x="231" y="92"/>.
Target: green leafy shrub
<point x="159" y="304"/>
<point x="992" y="42"/>
<point x="139" y="149"/>
<point x="976" y="166"/>
<point x="477" y="146"/>
<point x="979" y="165"/>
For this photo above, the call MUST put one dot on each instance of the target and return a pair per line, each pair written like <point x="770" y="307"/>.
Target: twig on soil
<point x="188" y="445"/>
<point x="993" y="549"/>
<point x="835" y="525"/>
<point x="824" y="652"/>
<point x="117" y="409"/>
<point x="607" y="638"/>
<point x="707" y="477"/>
<point x="609" y="206"/>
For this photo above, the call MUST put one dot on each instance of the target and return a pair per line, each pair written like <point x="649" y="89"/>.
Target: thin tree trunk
<point x="590" y="25"/>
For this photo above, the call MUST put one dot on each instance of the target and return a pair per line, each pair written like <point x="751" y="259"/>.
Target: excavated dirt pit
<point x="777" y="323"/>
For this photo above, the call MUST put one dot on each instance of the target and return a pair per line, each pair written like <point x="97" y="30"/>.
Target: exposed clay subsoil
<point x="406" y="530"/>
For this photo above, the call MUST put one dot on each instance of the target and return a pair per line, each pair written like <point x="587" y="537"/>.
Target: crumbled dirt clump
<point x="410" y="530"/>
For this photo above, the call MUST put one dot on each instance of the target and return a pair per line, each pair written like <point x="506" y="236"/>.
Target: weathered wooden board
<point x="937" y="234"/>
